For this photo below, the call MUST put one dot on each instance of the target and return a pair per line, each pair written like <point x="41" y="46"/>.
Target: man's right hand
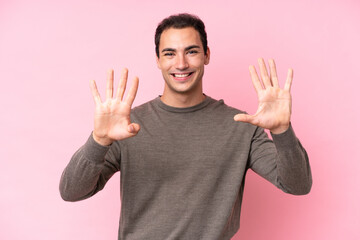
<point x="112" y="117"/>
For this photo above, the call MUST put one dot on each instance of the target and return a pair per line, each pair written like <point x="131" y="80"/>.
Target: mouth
<point x="181" y="76"/>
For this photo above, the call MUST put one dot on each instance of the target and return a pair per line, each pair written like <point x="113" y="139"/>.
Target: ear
<point x="207" y="56"/>
<point x="157" y="61"/>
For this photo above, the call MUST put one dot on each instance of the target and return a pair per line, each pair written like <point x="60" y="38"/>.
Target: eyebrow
<point x="174" y="50"/>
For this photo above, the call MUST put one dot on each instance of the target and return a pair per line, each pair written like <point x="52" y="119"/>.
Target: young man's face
<point x="181" y="60"/>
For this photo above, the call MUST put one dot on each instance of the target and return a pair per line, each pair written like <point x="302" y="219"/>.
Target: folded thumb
<point x="134" y="128"/>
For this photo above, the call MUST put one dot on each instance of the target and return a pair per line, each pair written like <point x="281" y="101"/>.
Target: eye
<point x="169" y="54"/>
<point x="192" y="52"/>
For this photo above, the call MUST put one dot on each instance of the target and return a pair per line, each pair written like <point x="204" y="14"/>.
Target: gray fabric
<point x="182" y="176"/>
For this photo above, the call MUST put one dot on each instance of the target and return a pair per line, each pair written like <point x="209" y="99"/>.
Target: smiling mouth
<point x="181" y="75"/>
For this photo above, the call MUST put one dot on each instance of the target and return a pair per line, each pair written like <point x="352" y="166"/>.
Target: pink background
<point x="50" y="51"/>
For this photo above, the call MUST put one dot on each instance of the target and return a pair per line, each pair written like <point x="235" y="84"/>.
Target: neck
<point x="182" y="100"/>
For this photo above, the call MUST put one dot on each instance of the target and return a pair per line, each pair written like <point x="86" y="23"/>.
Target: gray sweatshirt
<point x="182" y="176"/>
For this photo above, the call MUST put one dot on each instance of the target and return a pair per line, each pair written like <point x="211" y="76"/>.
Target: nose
<point x="181" y="62"/>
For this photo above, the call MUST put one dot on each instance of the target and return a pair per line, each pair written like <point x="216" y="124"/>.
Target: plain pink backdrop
<point x="49" y="51"/>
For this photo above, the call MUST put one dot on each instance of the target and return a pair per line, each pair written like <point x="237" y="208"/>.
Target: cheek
<point x="165" y="65"/>
<point x="197" y="62"/>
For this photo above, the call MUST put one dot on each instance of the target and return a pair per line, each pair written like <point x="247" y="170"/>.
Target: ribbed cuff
<point x="286" y="139"/>
<point x="93" y="151"/>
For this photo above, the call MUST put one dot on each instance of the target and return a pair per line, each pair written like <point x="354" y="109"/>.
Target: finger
<point x="132" y="92"/>
<point x="110" y="84"/>
<point x="255" y="79"/>
<point x="122" y="85"/>
<point x="95" y="92"/>
<point x="264" y="74"/>
<point x="273" y="74"/>
<point x="289" y="79"/>
<point x="134" y="128"/>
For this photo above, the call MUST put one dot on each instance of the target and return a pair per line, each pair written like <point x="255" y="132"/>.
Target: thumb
<point x="242" y="117"/>
<point x="134" y="128"/>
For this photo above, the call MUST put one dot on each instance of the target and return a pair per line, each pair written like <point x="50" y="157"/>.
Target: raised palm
<point x="274" y="109"/>
<point x="112" y="116"/>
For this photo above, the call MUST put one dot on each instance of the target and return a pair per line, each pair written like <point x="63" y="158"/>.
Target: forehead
<point x="179" y="38"/>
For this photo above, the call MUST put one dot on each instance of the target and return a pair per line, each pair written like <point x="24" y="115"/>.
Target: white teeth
<point x="182" y="75"/>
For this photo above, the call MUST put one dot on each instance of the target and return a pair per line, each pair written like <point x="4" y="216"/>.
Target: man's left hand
<point x="274" y="108"/>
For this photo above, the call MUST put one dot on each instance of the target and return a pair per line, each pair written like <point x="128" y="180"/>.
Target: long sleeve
<point x="284" y="162"/>
<point x="88" y="170"/>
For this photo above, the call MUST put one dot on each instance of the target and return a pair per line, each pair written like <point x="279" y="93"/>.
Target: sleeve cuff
<point x="93" y="151"/>
<point x="286" y="139"/>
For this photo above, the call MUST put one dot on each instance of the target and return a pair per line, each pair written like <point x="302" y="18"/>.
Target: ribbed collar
<point x="194" y="108"/>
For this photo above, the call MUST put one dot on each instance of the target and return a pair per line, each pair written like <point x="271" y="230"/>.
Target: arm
<point x="89" y="169"/>
<point x="284" y="163"/>
<point x="95" y="162"/>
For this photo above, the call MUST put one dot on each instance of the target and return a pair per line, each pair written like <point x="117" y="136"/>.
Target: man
<point x="182" y="157"/>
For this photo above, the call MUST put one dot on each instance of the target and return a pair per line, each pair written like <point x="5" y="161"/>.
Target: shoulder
<point x="222" y="114"/>
<point x="221" y="119"/>
<point x="219" y="106"/>
<point x="143" y="108"/>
